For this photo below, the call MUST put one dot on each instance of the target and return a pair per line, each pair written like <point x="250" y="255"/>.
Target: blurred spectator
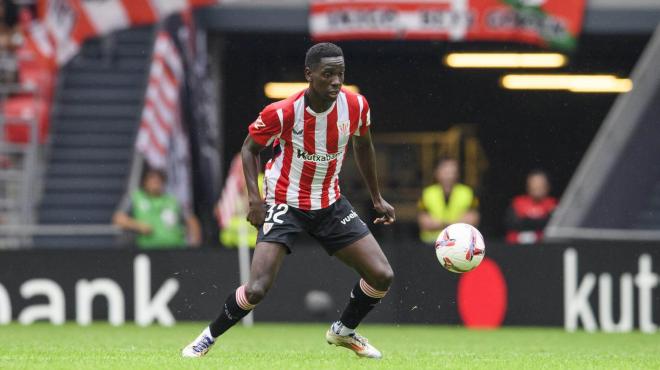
<point x="446" y="202"/>
<point x="529" y="213"/>
<point x="230" y="235"/>
<point x="8" y="25"/>
<point x="10" y="39"/>
<point x="156" y="216"/>
<point x="232" y="208"/>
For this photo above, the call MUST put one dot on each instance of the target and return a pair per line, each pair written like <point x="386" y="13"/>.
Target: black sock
<point x="359" y="305"/>
<point x="231" y="314"/>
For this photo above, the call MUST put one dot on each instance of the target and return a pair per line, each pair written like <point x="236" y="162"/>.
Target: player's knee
<point x="383" y="277"/>
<point x="256" y="292"/>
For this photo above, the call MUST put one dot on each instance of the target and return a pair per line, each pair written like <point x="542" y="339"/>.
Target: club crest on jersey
<point x="267" y="226"/>
<point x="344" y="127"/>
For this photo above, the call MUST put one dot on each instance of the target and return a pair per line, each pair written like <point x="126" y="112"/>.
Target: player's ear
<point x="308" y="74"/>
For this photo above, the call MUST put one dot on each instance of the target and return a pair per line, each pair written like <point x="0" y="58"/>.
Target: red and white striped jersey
<point x="309" y="147"/>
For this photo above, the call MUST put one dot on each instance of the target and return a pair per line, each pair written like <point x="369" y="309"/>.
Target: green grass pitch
<point x="302" y="346"/>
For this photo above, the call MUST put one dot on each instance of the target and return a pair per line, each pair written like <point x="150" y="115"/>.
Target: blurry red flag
<point x="161" y="138"/>
<point x="233" y="199"/>
<point x="66" y="24"/>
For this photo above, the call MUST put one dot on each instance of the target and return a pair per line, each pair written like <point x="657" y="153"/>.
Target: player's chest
<point x="323" y="133"/>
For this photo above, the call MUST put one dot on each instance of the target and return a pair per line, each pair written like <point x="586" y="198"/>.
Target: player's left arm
<point x="365" y="157"/>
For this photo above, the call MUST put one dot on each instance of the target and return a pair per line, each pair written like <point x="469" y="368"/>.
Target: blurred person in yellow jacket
<point x="446" y="202"/>
<point x="232" y="208"/>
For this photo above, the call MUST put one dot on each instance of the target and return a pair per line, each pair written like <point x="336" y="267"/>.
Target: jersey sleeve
<point x="266" y="128"/>
<point x="365" y="117"/>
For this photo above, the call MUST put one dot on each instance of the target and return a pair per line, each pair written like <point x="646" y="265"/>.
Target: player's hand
<point x="256" y="214"/>
<point x="385" y="209"/>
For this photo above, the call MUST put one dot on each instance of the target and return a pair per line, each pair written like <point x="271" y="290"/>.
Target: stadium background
<point x="70" y="124"/>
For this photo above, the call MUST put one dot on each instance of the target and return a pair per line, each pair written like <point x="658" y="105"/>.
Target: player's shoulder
<point x="353" y="97"/>
<point x="284" y="103"/>
<point x="275" y="113"/>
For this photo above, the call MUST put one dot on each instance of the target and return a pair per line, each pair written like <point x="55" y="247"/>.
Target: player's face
<point x="327" y="77"/>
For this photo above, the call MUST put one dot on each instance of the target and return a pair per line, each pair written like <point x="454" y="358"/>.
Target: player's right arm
<point x="250" y="155"/>
<point x="266" y="128"/>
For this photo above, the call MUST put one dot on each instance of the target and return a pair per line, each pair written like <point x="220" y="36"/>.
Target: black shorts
<point x="335" y="227"/>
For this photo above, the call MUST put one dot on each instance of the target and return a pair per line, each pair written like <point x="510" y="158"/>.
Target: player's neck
<point x="316" y="103"/>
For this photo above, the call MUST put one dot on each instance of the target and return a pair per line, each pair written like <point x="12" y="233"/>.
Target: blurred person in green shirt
<point x="156" y="216"/>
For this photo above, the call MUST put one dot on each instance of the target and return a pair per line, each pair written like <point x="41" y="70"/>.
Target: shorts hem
<point x="285" y="245"/>
<point x="332" y="249"/>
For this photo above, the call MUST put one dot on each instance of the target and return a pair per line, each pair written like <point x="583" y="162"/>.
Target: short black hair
<point x="321" y="50"/>
<point x="148" y="170"/>
<point x="538" y="172"/>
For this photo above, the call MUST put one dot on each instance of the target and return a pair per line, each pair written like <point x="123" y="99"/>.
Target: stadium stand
<point x="23" y="106"/>
<point x="649" y="216"/>
<point x="615" y="192"/>
<point x="94" y="122"/>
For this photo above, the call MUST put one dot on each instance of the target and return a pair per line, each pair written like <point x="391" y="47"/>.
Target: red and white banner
<point x="555" y="23"/>
<point x="161" y="138"/>
<point x="162" y="106"/>
<point x="233" y="200"/>
<point x="68" y="23"/>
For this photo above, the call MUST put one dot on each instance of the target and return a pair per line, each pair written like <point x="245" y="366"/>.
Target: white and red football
<point x="460" y="248"/>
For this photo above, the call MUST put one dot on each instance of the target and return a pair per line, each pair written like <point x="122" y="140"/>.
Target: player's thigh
<point x="282" y="225"/>
<point x="368" y="259"/>
<point x="266" y="264"/>
<point x="338" y="226"/>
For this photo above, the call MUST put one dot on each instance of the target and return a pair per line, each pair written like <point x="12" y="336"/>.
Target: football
<point x="460" y="248"/>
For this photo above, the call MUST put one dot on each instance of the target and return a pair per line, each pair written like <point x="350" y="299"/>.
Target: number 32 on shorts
<point x="274" y="213"/>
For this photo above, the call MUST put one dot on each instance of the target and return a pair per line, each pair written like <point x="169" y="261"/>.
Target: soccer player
<point x="309" y="133"/>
